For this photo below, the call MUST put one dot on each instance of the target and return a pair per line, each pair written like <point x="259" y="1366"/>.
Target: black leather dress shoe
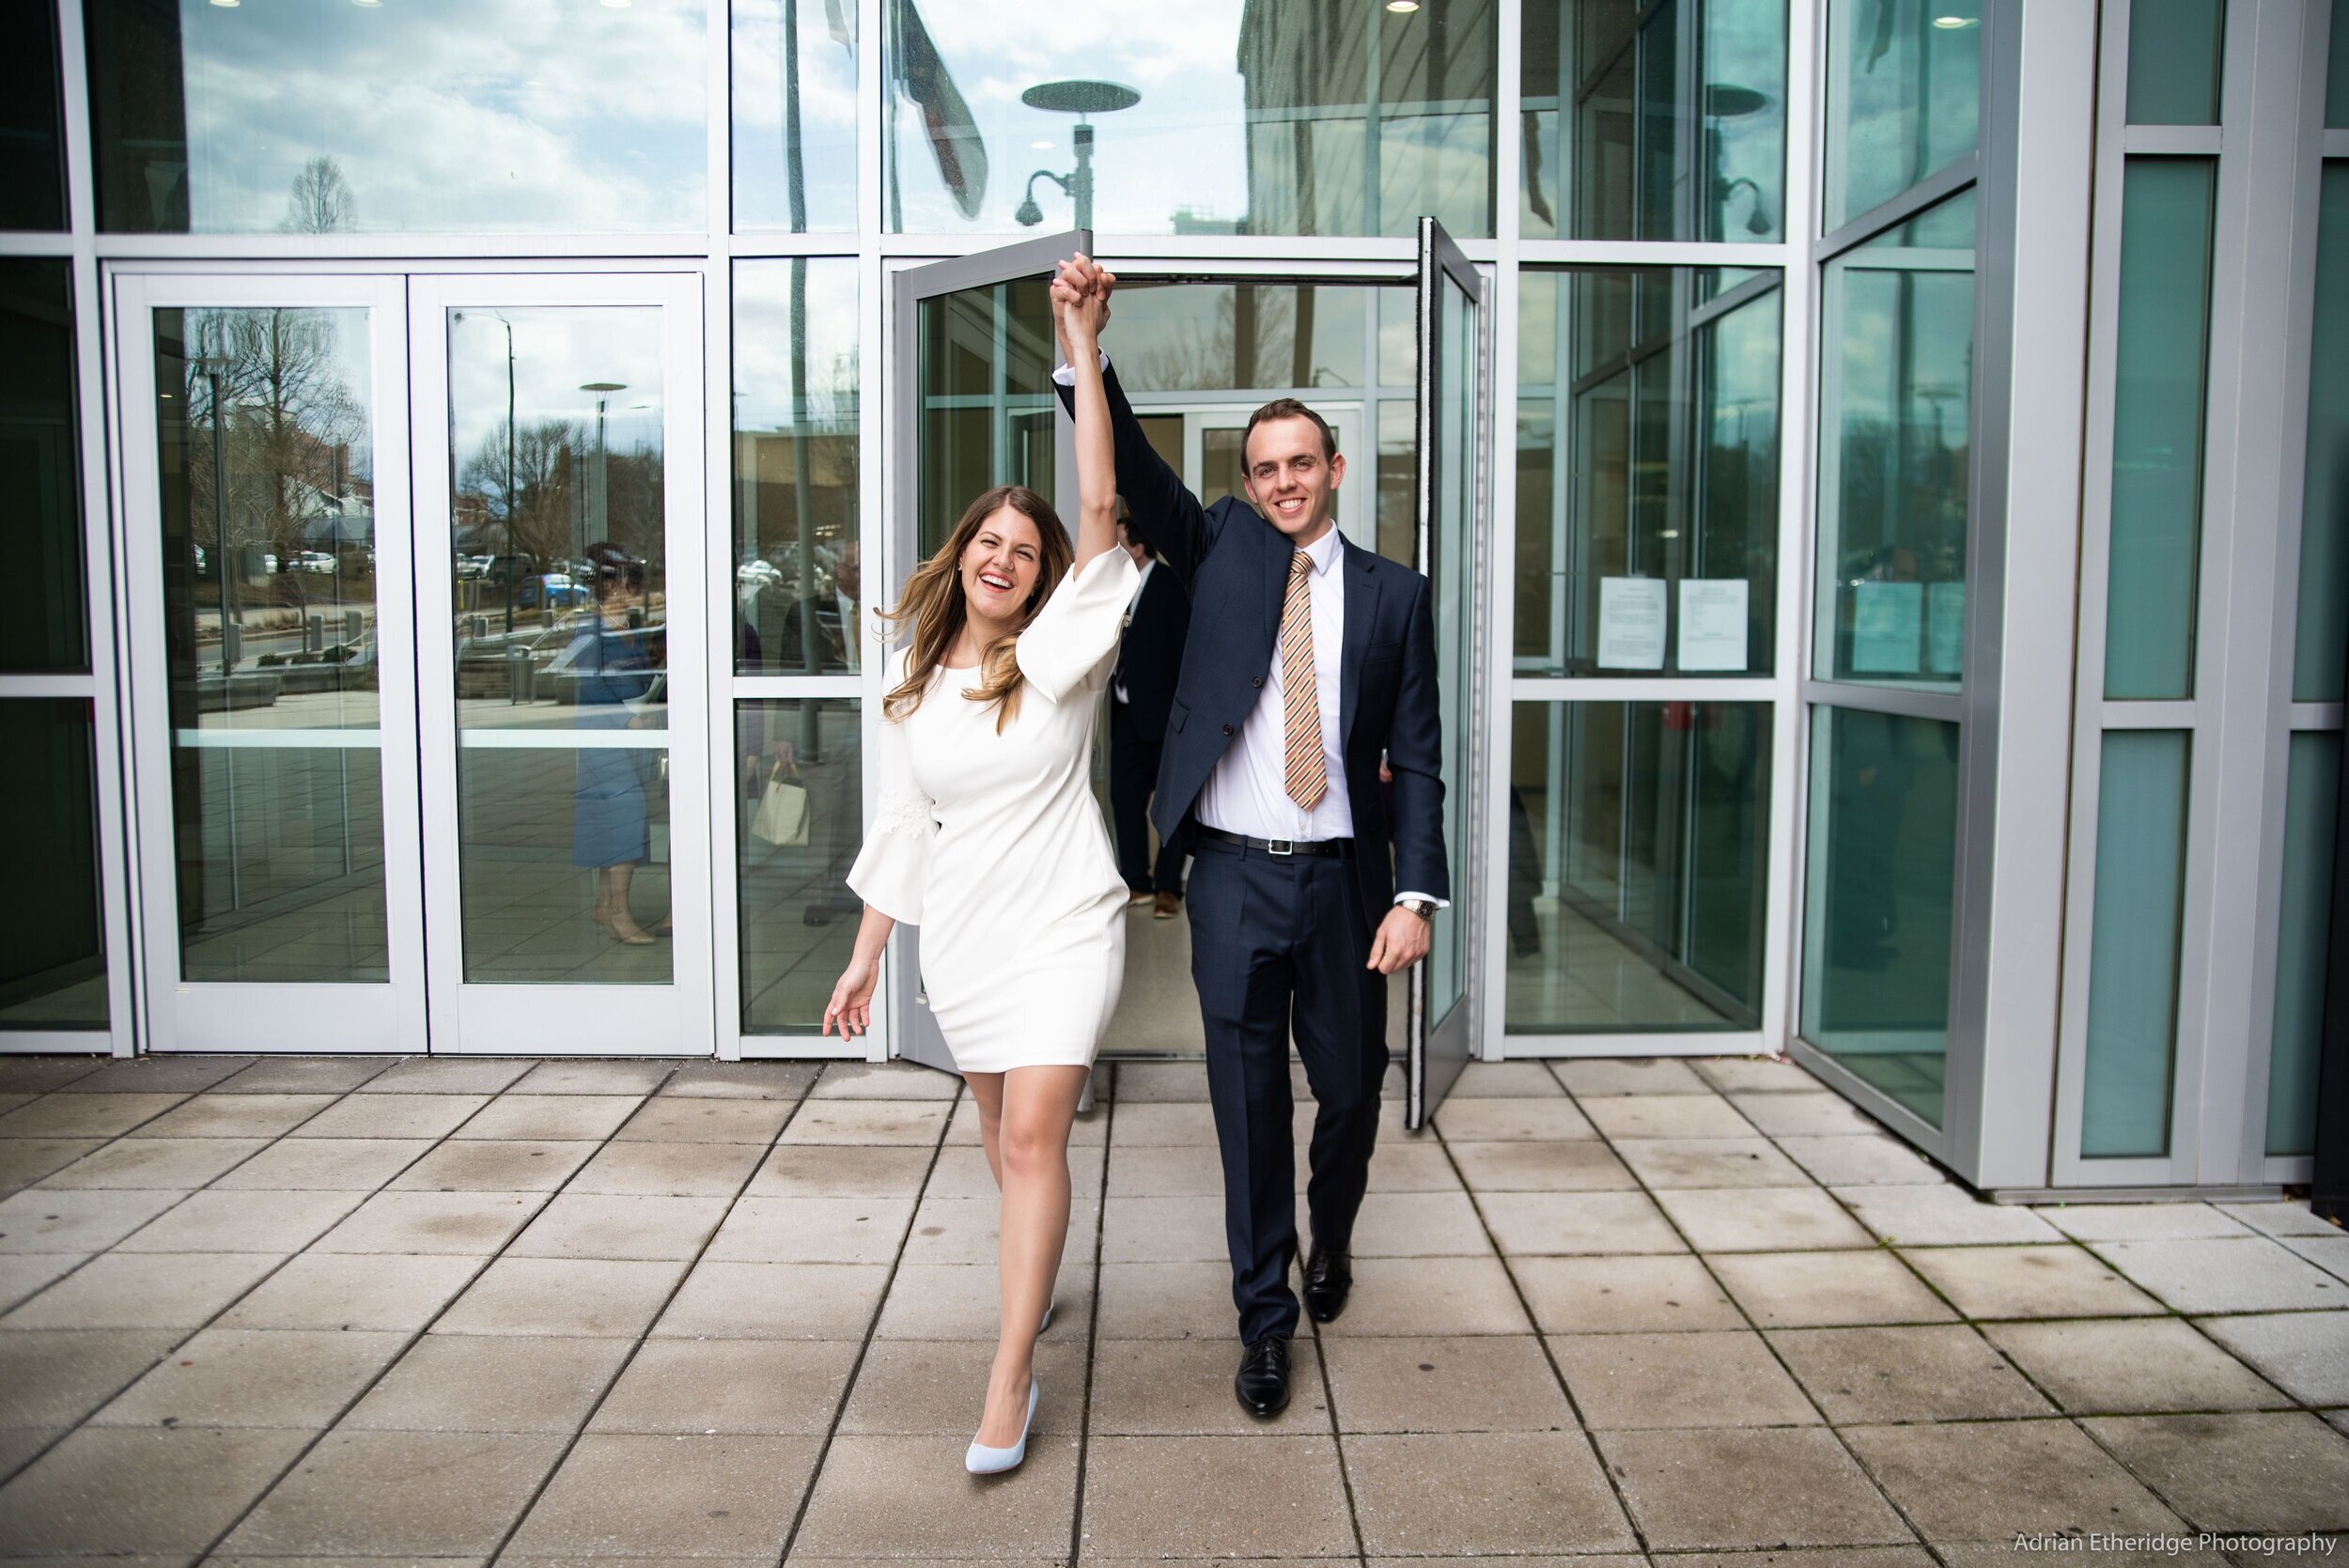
<point x="1262" y="1380"/>
<point x="1328" y="1278"/>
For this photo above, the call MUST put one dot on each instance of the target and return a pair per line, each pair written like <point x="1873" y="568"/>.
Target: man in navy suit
<point x="1308" y="660"/>
<point x="1141" y="690"/>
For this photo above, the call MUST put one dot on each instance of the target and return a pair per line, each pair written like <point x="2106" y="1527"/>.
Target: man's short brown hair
<point x="1288" y="408"/>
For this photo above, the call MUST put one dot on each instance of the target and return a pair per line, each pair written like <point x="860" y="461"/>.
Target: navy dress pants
<point x="1278" y="943"/>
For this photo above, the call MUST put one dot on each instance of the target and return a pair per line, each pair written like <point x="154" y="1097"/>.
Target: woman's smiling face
<point x="1001" y="564"/>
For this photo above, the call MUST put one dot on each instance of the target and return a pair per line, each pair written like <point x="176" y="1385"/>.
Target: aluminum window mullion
<point x="1944" y="182"/>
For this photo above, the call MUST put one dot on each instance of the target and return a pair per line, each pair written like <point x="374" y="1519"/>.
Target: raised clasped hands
<point x="1081" y="302"/>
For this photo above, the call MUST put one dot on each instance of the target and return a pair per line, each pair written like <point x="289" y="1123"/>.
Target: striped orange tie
<point x="1306" y="773"/>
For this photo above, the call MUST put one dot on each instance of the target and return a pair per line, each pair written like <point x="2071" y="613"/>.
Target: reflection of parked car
<point x="554" y="589"/>
<point x="757" y="572"/>
<point x="314" y="560"/>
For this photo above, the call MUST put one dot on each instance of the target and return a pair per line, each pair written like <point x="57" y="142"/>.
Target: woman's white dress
<point x="995" y="847"/>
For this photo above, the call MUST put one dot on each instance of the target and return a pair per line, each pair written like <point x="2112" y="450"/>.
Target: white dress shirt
<point x="1133" y="605"/>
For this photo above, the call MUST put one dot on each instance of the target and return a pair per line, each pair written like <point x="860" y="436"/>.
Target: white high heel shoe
<point x="981" y="1460"/>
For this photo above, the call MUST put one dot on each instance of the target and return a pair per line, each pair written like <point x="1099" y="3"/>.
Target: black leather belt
<point x="1329" y="848"/>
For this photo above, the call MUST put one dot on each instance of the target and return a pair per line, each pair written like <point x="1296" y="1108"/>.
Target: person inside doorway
<point x="1158" y="619"/>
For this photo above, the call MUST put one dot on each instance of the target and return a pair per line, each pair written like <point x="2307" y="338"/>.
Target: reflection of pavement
<point x="1583" y="978"/>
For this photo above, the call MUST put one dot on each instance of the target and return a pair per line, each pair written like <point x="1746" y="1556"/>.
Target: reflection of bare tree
<point x="538" y="508"/>
<point x="319" y="200"/>
<point x="291" y="422"/>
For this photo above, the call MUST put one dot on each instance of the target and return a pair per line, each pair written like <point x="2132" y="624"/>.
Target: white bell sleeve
<point x="1072" y="641"/>
<point x="893" y="867"/>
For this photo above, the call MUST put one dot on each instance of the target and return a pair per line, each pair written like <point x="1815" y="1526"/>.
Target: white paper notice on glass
<point x="1945" y="626"/>
<point x="1712" y="624"/>
<point x="1630" y="623"/>
<point x="1887" y="621"/>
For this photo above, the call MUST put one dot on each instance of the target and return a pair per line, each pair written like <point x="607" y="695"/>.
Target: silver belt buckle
<point x="1280" y="847"/>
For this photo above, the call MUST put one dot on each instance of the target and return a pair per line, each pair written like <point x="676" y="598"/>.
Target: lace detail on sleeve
<point x="904" y="814"/>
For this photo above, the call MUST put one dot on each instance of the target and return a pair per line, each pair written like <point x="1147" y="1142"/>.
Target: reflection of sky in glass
<point x="443" y="114"/>
<point x="1181" y="160"/>
<point x="557" y="348"/>
<point x="321" y="365"/>
<point x="827" y="99"/>
<point x="763" y="390"/>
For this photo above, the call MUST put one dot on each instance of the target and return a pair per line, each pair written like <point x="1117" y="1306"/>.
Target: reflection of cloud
<point x="762" y="343"/>
<point x="556" y="348"/>
<point x="826" y="119"/>
<point x="547" y="114"/>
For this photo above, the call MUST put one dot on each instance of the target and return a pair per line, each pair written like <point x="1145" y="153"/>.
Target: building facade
<point x="1884" y="465"/>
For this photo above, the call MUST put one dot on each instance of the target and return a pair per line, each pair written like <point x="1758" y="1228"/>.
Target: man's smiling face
<point x="1290" y="478"/>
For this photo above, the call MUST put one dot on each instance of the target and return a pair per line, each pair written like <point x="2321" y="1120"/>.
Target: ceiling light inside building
<point x="1951" y="24"/>
<point x="1402" y="7"/>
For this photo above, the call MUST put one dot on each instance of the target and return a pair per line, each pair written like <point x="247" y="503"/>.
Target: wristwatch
<point x="1422" y="907"/>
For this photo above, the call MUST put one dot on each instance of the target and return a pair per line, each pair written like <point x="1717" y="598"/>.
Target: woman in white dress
<point x="987" y="835"/>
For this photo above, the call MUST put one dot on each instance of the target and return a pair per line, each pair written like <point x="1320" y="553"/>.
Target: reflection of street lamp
<point x="1725" y="101"/>
<point x="229" y="628"/>
<point x="599" y="486"/>
<point x="510" y="585"/>
<point x="1079" y="97"/>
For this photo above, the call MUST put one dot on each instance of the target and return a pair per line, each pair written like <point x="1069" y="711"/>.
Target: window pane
<point x="2158" y="426"/>
<point x="2132" y="958"/>
<point x="2321" y="639"/>
<point x="1240" y="337"/>
<point x="1677" y="119"/>
<point x="1647" y="464"/>
<point x="560" y="575"/>
<point x="1638" y="853"/>
<point x="2337" y="71"/>
<point x="800" y="821"/>
<point x="1904" y="86"/>
<point x="987" y="405"/>
<point x="2303" y="936"/>
<point x="1250" y="119"/>
<point x="1895" y="437"/>
<point x="794" y="116"/>
<point x="45" y="625"/>
<point x="266" y="436"/>
<point x="1877" y="901"/>
<point x="796" y="404"/>
<point x="420" y="116"/>
<point x="52" y="953"/>
<point x="2175" y="51"/>
<point x="32" y="125"/>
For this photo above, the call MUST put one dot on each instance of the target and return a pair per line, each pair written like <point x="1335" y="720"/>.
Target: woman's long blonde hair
<point x="934" y="610"/>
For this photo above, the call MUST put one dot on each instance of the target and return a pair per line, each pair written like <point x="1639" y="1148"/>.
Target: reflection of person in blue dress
<point x="611" y="816"/>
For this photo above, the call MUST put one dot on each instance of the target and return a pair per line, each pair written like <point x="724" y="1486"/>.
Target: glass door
<point x="973" y="358"/>
<point x="1453" y="507"/>
<point x="272" y="705"/>
<point x="560" y="504"/>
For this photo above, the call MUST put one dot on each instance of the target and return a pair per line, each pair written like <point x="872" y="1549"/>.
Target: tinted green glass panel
<point x="1269" y="119"/>
<point x="2321" y="635"/>
<point x="799" y="919"/>
<point x="794" y="75"/>
<point x="32" y="127"/>
<point x="413" y="117"/>
<point x="2158" y="361"/>
<point x="2337" y="71"/>
<point x="53" y="953"/>
<point x="1903" y="90"/>
<point x="2133" y="959"/>
<point x="1878" y="900"/>
<point x="1638" y="853"/>
<point x="1647" y="480"/>
<point x="43" y="625"/>
<point x="1895" y="441"/>
<point x="1674" y="117"/>
<point x="2176" y="53"/>
<point x="797" y="578"/>
<point x="2303" y="935"/>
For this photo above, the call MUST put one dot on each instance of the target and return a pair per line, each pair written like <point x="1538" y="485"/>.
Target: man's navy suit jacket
<point x="1237" y="564"/>
<point x="1152" y="650"/>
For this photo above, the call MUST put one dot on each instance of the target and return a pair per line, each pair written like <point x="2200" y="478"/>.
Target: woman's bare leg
<point x="987" y="1093"/>
<point x="1038" y="1105"/>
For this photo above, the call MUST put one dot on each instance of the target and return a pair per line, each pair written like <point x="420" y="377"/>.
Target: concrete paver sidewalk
<point x="267" y="1310"/>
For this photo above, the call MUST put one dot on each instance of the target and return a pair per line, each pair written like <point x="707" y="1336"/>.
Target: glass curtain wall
<point x="1894" y="508"/>
<point x="2320" y="650"/>
<point x="1647" y="507"/>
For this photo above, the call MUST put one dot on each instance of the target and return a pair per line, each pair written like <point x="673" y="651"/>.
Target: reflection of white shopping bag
<point x="782" y="816"/>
